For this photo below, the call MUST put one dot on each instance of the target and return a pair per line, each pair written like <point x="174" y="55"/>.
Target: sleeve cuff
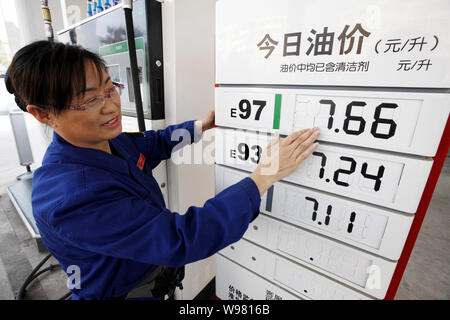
<point x="253" y="193"/>
<point x="198" y="132"/>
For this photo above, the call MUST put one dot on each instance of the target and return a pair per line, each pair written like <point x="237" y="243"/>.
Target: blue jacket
<point x="100" y="212"/>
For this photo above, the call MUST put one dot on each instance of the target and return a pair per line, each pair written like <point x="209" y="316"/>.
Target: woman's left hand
<point x="208" y="121"/>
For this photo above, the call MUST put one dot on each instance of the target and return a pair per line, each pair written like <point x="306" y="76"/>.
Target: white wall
<point x="22" y="24"/>
<point x="188" y="31"/>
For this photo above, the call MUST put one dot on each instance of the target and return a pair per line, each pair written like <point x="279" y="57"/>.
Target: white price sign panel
<point x="394" y="121"/>
<point x="289" y="275"/>
<point x="356" y="268"/>
<point x="236" y="283"/>
<point x="379" y="178"/>
<point x="327" y="42"/>
<point x="373" y="229"/>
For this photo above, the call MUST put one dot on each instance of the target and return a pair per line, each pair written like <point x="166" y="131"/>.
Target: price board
<point x="376" y="83"/>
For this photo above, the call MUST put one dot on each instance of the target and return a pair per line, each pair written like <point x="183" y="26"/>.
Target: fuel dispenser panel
<point x="105" y="34"/>
<point x="118" y="64"/>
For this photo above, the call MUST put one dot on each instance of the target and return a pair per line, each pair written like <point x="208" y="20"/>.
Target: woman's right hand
<point x="281" y="158"/>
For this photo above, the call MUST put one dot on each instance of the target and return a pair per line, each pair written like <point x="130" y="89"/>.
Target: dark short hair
<point x="47" y="73"/>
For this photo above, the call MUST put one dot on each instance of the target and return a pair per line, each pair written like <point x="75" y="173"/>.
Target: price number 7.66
<point x="355" y="125"/>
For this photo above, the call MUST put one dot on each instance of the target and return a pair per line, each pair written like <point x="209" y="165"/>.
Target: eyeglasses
<point x="97" y="102"/>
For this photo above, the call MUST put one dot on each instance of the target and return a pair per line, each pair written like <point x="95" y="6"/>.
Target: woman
<point x="96" y="204"/>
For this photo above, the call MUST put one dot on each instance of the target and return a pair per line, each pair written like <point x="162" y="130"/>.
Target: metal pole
<point x="128" y="9"/>
<point x="47" y="20"/>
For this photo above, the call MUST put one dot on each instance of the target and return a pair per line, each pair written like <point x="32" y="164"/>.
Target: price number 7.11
<point x="376" y="177"/>
<point x="358" y="123"/>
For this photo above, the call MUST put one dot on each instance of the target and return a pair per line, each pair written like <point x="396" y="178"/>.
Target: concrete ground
<point x="427" y="275"/>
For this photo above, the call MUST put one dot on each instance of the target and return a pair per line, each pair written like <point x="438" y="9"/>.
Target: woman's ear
<point x="41" y="115"/>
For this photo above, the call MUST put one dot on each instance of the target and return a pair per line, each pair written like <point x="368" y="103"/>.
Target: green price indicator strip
<point x="277" y="111"/>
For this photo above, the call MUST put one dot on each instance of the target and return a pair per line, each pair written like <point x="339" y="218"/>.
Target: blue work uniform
<point x="101" y="213"/>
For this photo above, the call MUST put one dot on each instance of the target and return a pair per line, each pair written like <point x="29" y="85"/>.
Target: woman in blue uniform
<point x="98" y="208"/>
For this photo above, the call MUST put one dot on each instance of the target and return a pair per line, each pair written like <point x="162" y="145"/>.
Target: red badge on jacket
<point x="141" y="162"/>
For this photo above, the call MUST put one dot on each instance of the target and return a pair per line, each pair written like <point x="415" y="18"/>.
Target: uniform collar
<point x="61" y="151"/>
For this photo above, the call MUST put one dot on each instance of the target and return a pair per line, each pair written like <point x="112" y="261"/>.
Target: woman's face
<point x="91" y="129"/>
